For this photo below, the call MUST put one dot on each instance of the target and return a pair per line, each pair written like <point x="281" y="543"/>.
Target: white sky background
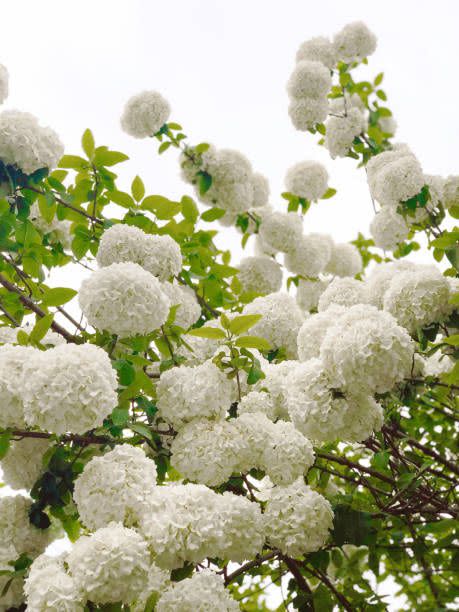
<point x="223" y="66"/>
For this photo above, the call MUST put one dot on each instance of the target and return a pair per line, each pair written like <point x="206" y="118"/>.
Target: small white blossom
<point x="388" y="125"/>
<point x="189" y="310"/>
<point x="388" y="228"/>
<point x="22" y="465"/>
<point x="309" y="255"/>
<point x="307" y="112"/>
<point x="313" y="330"/>
<point x="317" y="49"/>
<point x="158" y="580"/>
<point x="345" y="291"/>
<point x="56" y="230"/>
<point x="12" y="362"/>
<point x="340" y="105"/>
<point x="16" y="529"/>
<point x="145" y="114"/>
<point x="260" y="274"/>
<point x="380" y="278"/>
<point x="438" y="364"/>
<point x="258" y="401"/>
<point x="341" y="132"/>
<point x="276" y="384"/>
<point x="345" y="260"/>
<point x="260" y="190"/>
<point x="354" y="42"/>
<point x="280" y="231"/>
<point x="309" y="291"/>
<point x="309" y="79"/>
<point x="308" y="179"/>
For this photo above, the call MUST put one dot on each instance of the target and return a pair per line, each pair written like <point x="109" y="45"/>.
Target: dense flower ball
<point x="111" y="565"/>
<point x="343" y="292"/>
<point x="325" y="415"/>
<point x="388" y="228"/>
<point x="276" y="384"/>
<point x="418" y="297"/>
<point x="49" y="587"/>
<point x="16" y="529"/>
<point x="438" y="364"/>
<point x="260" y="274"/>
<point x="280" y="322"/>
<point x="297" y="519"/>
<point x="157" y="581"/>
<point x="124" y="299"/>
<point x="260" y="190"/>
<point x="185" y="393"/>
<point x="388" y="125"/>
<point x="189" y="310"/>
<point x="345" y="260"/>
<point x="4" y="78"/>
<point x="69" y="388"/>
<point x="313" y="331"/>
<point x="310" y="255"/>
<point x="22" y="465"/>
<point x="394" y="176"/>
<point x="159" y="255"/>
<point x="340" y="106"/>
<point x="380" y="278"/>
<point x="341" y="132"/>
<point x="280" y="231"/>
<point x="258" y="401"/>
<point x="451" y="192"/>
<point x="309" y="291"/>
<point x="205" y="590"/>
<point x="11" y="591"/>
<point x="367" y="350"/>
<point x="308" y="179"/>
<point x="309" y="79"/>
<point x="114" y="486"/>
<point x="306" y="112"/>
<point x="317" y="49"/>
<point x="12" y="362"/>
<point x="354" y="42"/>
<point x="26" y="144"/>
<point x="145" y="114"/>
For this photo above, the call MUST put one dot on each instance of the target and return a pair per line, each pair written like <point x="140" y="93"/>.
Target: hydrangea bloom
<point x="345" y="260"/>
<point x="157" y="581"/>
<point x="260" y="190"/>
<point x="307" y="179"/>
<point x="438" y="364"/>
<point x="4" y="78"/>
<point x="49" y="587"/>
<point x="395" y="177"/>
<point x="205" y="590"/>
<point x="354" y="42"/>
<point x="339" y="106"/>
<point x="341" y="132"/>
<point x="69" y="388"/>
<point x="313" y="330"/>
<point x="13" y="596"/>
<point x="185" y="393"/>
<point x="22" y="465"/>
<point x="111" y="565"/>
<point x="276" y="384"/>
<point x="189" y="310"/>
<point x="159" y="255"/>
<point x="387" y="125"/>
<point x="367" y="351"/>
<point x="114" y="486"/>
<point x="306" y="112"/>
<point x="310" y="255"/>
<point x="388" y="228"/>
<point x="451" y="192"/>
<point x="12" y="362"/>
<point x="258" y="401"/>
<point x="26" y="144"/>
<point x="309" y="79"/>
<point x="309" y="291"/>
<point x="325" y="415"/>
<point x="418" y="297"/>
<point x="281" y="231"/>
<point x="144" y="114"/>
<point x="260" y="274"/>
<point x="297" y="519"/>
<point x="280" y="322"/>
<point x="17" y="531"/>
<point x="124" y="299"/>
<point x="317" y="49"/>
<point x="343" y="292"/>
<point x="379" y="280"/>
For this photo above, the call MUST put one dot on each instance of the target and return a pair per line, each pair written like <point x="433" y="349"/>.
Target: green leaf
<point x="87" y="142"/>
<point x="4" y="443"/>
<point x="120" y="416"/>
<point x="137" y="189"/>
<point x="189" y="209"/>
<point x="73" y="161"/>
<point x="103" y="157"/>
<point x="58" y="296"/>
<point x="122" y="199"/>
<point x="253" y="342"/>
<point x="378" y="79"/>
<point x="243" y="323"/>
<point x="204" y="181"/>
<point x="141" y="429"/>
<point x="350" y="526"/>
<point x="213" y="214"/>
<point x="328" y="194"/>
<point x="208" y="332"/>
<point x="41" y="327"/>
<point x="453" y="340"/>
<point x="160" y="206"/>
<point x="126" y="372"/>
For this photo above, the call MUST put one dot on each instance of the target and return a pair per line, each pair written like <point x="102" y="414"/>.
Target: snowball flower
<point x="309" y="255"/>
<point x="438" y="364"/>
<point x="451" y="192"/>
<point x="159" y="255"/>
<point x="341" y="132"/>
<point x="398" y="180"/>
<point x="111" y="565"/>
<point x="260" y="190"/>
<point x="16" y="529"/>
<point x="185" y="393"/>
<point x="309" y="79"/>
<point x="388" y="125"/>
<point x="12" y="362"/>
<point x="280" y="231"/>
<point x="157" y="581"/>
<point x="189" y="310"/>
<point x="4" y="77"/>
<point x="26" y="144"/>
<point x="345" y="260"/>
<point x="367" y="350"/>
<point x="260" y="274"/>
<point x="380" y="278"/>
<point x="388" y="228"/>
<point x="49" y="587"/>
<point x="276" y="384"/>
<point x="297" y="519"/>
<point x="22" y="465"/>
<point x="418" y="297"/>
<point x="314" y="329"/>
<point x="258" y="401"/>
<point x="280" y="322"/>
<point x="354" y="42"/>
<point x="145" y="114"/>
<point x="309" y="291"/>
<point x="205" y="590"/>
<point x="343" y="292"/>
<point x="113" y="486"/>
<point x="124" y="299"/>
<point x="307" y="179"/>
<point x="317" y="49"/>
<point x="307" y="112"/>
<point x="69" y="388"/>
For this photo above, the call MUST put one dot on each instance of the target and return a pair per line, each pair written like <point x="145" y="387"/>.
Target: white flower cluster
<point x="157" y="581"/>
<point x="388" y="228"/>
<point x="297" y="519"/>
<point x="191" y="522"/>
<point x="12" y="362"/>
<point x="280" y="231"/>
<point x="26" y="144"/>
<point x="114" y="487"/>
<point x="308" y="87"/>
<point x="205" y="590"/>
<point x="309" y="291"/>
<point x="345" y="260"/>
<point x="313" y="331"/>
<point x="8" y="335"/>
<point x="354" y="42"/>
<point x="11" y="591"/>
<point x="258" y="401"/>
<point x="145" y="114"/>
<point x="189" y="310"/>
<point x="4" y="78"/>
<point x="280" y="322"/>
<point x="57" y="230"/>
<point x="310" y="255"/>
<point x="438" y="364"/>
<point x="317" y="49"/>
<point x="379" y="280"/>
<point x="209" y="452"/>
<point x="185" y="393"/>
<point x="124" y="299"/>
<point x="69" y="388"/>
<point x="17" y="531"/>
<point x="308" y="179"/>
<point x="341" y="131"/>
<point x="111" y="565"/>
<point x="260" y="274"/>
<point x="275" y="384"/>
<point x="22" y="465"/>
<point x="159" y="255"/>
<point x="345" y="291"/>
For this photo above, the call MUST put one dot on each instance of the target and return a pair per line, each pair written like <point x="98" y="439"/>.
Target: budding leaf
<point x="208" y="332"/>
<point x="253" y="342"/>
<point x="243" y="323"/>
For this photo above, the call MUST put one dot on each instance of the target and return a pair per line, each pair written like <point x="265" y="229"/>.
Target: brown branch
<point x="67" y="205"/>
<point x="249" y="565"/>
<point x="300" y="580"/>
<point x="331" y="587"/>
